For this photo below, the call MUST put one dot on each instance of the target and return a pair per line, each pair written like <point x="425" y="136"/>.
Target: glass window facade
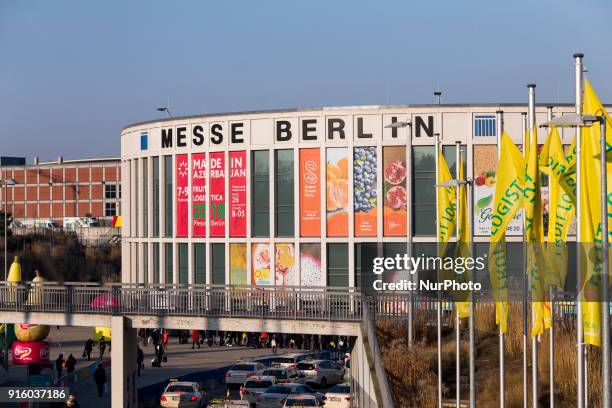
<point x="155" y="259"/>
<point x="218" y="263"/>
<point x="169" y="263"/>
<point x="183" y="263"/>
<point x="284" y="193"/>
<point x="156" y="196"/>
<point x="145" y="197"/>
<point x="260" y="193"/>
<point x="145" y="262"/>
<point x="199" y="263"/>
<point x="168" y="196"/>
<point x="365" y="252"/>
<point x="337" y="265"/>
<point x="423" y="191"/>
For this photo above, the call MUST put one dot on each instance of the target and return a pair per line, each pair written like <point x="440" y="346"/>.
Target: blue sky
<point x="73" y="73"/>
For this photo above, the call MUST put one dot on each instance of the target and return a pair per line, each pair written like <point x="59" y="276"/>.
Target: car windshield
<point x="301" y="403"/>
<point x="283" y="360"/>
<point x="306" y="366"/>
<point x="279" y="389"/>
<point x="340" y="389"/>
<point x="179" y="388"/>
<point x="242" y="367"/>
<point x="258" y="384"/>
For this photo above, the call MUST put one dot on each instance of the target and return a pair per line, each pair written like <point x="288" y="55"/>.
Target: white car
<point x="276" y="395"/>
<point x="290" y="360"/>
<point x="183" y="394"/>
<point x="320" y="372"/>
<point x="302" y="401"/>
<point x="240" y="372"/>
<point x="283" y="375"/>
<point x="339" y="396"/>
<point x="255" y="386"/>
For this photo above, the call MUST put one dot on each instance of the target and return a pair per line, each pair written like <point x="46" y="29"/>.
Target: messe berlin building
<point x="300" y="197"/>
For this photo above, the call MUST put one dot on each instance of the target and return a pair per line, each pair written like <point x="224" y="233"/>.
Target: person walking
<point x="70" y="364"/>
<point x="139" y="359"/>
<point x="273" y="344"/>
<point x="88" y="349"/>
<point x="100" y="379"/>
<point x="59" y="365"/>
<point x="102" y="346"/>
<point x="195" y="339"/>
<point x="165" y="337"/>
<point x="159" y="353"/>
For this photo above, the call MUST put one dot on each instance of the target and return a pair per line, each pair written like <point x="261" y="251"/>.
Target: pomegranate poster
<point x="237" y="192"/>
<point x="217" y="194"/>
<point x="485" y="168"/>
<point x="310" y="193"/>
<point x="337" y="191"/>
<point x="198" y="194"/>
<point x="365" y="200"/>
<point x="182" y="195"/>
<point x="261" y="273"/>
<point x="285" y="265"/>
<point x="238" y="275"/>
<point x="30" y="352"/>
<point x="394" y="191"/>
<point x="310" y="265"/>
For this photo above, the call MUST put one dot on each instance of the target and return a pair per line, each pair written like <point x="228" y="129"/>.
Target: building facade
<point x="63" y="188"/>
<point x="300" y="197"/>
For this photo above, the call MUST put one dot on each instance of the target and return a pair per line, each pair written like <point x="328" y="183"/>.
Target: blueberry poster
<point x="337" y="191"/>
<point x="394" y="191"/>
<point x="364" y="198"/>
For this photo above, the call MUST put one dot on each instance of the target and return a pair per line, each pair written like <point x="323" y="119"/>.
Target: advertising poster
<point x="182" y="195"/>
<point x="337" y="191"/>
<point x="198" y="194"/>
<point x="261" y="274"/>
<point x="238" y="274"/>
<point x="285" y="265"/>
<point x="310" y="265"/>
<point x="237" y="192"/>
<point x="310" y="193"/>
<point x="365" y="200"/>
<point x="485" y="168"/>
<point x="394" y="191"/>
<point x="217" y="194"/>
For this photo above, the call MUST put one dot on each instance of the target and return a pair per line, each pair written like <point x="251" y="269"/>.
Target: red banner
<point x="182" y="195"/>
<point x="237" y="192"/>
<point x="198" y="194"/>
<point x="310" y="193"/>
<point x="217" y="194"/>
<point x="30" y="352"/>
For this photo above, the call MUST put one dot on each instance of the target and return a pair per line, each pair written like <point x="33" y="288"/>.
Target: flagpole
<point x="439" y="303"/>
<point x="457" y="318"/>
<point x="502" y="402"/>
<point x="534" y="339"/>
<point x="525" y="288"/>
<point x="551" y="333"/>
<point x="605" y="304"/>
<point x="470" y="215"/>
<point x="578" y="71"/>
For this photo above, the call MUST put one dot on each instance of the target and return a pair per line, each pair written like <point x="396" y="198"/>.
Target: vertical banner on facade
<point x="238" y="274"/>
<point x="285" y="265"/>
<point x="485" y="167"/>
<point x="337" y="191"/>
<point x="182" y="195"/>
<point x="217" y="194"/>
<point x="394" y="191"/>
<point x="310" y="193"/>
<point x="237" y="192"/>
<point x="310" y="265"/>
<point x="198" y="194"/>
<point x="261" y="273"/>
<point x="365" y="200"/>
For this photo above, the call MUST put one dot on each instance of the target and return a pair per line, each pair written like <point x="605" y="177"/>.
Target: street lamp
<point x="165" y="109"/>
<point x="4" y="184"/>
<point x="576" y="120"/>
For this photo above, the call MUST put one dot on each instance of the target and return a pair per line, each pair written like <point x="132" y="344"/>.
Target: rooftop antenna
<point x="438" y="94"/>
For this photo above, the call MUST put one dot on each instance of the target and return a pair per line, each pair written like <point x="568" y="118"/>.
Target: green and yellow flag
<point x="447" y="203"/>
<point x="463" y="239"/>
<point x="509" y="193"/>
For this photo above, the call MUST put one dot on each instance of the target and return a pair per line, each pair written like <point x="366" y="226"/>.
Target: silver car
<point x="255" y="386"/>
<point x="240" y="372"/>
<point x="276" y="395"/>
<point x="320" y="372"/>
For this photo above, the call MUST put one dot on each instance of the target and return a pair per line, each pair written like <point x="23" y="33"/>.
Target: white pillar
<point x="123" y="364"/>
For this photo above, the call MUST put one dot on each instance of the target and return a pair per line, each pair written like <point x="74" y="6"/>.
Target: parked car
<point x="283" y="375"/>
<point x="255" y="386"/>
<point x="302" y="401"/>
<point x="320" y="372"/>
<point x="339" y="396"/>
<point x="240" y="372"/>
<point x="183" y="394"/>
<point x="276" y="395"/>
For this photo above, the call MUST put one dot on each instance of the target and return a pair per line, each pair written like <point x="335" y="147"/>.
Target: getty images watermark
<point x="449" y="273"/>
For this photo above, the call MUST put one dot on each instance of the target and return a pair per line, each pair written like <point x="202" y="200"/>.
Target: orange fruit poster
<point x="337" y="191"/>
<point x="310" y="193"/>
<point x="394" y="190"/>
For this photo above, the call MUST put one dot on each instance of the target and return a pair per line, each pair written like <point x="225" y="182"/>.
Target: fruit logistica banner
<point x="394" y="190"/>
<point x="310" y="193"/>
<point x="365" y="200"/>
<point x="217" y="194"/>
<point x="337" y="191"/>
<point x="237" y="192"/>
<point x="182" y="195"/>
<point x="198" y="193"/>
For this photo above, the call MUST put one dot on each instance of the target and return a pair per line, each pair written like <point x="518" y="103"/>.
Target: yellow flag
<point x="509" y="193"/>
<point x="590" y="214"/>
<point x="463" y="239"/>
<point x="447" y="202"/>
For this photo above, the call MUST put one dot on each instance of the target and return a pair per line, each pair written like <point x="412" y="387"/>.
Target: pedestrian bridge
<point x="291" y="310"/>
